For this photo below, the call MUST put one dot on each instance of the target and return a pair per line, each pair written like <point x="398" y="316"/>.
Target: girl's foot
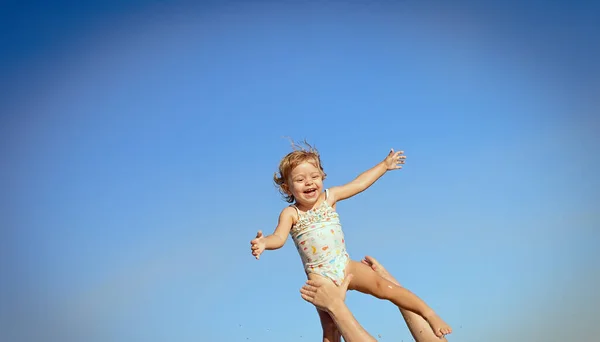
<point x="439" y="327"/>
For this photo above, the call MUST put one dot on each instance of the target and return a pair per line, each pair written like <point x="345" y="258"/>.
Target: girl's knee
<point x="382" y="288"/>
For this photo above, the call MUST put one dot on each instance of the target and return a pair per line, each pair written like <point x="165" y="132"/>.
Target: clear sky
<point x="138" y="141"/>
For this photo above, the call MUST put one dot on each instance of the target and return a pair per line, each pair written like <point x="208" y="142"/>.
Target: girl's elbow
<point x="282" y="242"/>
<point x="279" y="242"/>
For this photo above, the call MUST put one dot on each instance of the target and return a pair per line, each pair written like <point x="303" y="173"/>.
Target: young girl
<point x="315" y="228"/>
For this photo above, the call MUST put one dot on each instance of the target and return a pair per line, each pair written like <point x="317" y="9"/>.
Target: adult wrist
<point x="336" y="307"/>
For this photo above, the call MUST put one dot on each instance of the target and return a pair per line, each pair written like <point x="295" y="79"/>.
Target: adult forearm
<point x="348" y="326"/>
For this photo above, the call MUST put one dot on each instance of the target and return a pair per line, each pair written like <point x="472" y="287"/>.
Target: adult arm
<point x="325" y="295"/>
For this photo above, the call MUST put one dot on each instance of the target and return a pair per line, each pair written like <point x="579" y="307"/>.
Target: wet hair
<point x="302" y="153"/>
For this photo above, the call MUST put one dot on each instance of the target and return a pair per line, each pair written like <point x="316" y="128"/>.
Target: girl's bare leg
<point x="330" y="330"/>
<point x="418" y="326"/>
<point x="369" y="282"/>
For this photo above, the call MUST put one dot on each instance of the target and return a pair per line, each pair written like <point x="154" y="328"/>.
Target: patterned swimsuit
<point x="320" y="242"/>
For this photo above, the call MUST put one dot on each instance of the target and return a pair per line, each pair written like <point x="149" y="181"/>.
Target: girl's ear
<point x="286" y="189"/>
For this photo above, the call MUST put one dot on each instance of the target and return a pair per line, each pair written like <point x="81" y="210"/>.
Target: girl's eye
<point x="314" y="177"/>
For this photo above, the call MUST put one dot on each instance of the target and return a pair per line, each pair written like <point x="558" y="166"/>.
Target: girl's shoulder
<point x="291" y="212"/>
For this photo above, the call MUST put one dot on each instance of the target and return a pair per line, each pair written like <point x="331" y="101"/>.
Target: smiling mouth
<point x="310" y="191"/>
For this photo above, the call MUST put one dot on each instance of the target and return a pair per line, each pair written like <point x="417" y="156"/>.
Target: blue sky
<point x="139" y="140"/>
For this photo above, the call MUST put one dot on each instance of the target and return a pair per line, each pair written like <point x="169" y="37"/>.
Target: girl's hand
<point x="258" y="245"/>
<point x="394" y="159"/>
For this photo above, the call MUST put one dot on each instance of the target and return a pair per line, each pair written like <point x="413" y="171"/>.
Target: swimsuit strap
<point x="297" y="211"/>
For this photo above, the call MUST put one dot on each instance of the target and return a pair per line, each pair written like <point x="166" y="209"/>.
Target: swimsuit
<point x="320" y="242"/>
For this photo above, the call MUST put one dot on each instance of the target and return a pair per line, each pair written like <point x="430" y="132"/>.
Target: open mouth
<point x="310" y="191"/>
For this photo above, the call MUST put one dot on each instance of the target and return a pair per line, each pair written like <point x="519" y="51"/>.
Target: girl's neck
<point x="307" y="207"/>
<point x="302" y="207"/>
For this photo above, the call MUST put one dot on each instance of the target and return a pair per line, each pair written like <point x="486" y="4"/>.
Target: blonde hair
<point x="301" y="154"/>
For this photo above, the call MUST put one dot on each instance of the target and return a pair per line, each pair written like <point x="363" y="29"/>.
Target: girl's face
<point x="306" y="183"/>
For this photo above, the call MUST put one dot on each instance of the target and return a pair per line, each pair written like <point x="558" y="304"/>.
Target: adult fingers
<point x="314" y="282"/>
<point x="346" y="282"/>
<point x="370" y="261"/>
<point x="307" y="292"/>
<point x="309" y="287"/>
<point x="306" y="298"/>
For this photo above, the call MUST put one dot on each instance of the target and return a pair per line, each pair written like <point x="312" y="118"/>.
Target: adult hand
<point x="323" y="293"/>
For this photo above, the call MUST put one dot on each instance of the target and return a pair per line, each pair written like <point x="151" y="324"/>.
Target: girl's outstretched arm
<point x="367" y="178"/>
<point x="279" y="236"/>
